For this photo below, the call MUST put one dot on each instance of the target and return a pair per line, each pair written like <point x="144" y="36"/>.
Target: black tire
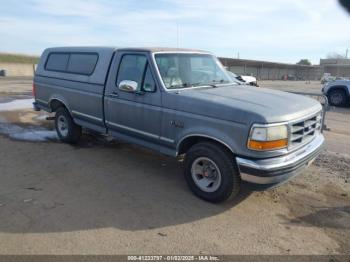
<point x="337" y="97"/>
<point x="72" y="133"/>
<point x="230" y="179"/>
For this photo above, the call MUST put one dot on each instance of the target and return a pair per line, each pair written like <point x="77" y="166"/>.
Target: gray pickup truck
<point x="181" y="102"/>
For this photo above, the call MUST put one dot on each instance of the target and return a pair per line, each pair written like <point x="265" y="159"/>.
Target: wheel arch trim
<point x="61" y="100"/>
<point x="342" y="87"/>
<point x="226" y="145"/>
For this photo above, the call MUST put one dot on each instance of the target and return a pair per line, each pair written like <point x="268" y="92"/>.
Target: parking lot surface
<point x="108" y="197"/>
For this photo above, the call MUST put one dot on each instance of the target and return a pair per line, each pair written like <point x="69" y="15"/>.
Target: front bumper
<point x="271" y="172"/>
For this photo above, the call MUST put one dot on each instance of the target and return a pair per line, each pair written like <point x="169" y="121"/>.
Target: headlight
<point x="266" y="138"/>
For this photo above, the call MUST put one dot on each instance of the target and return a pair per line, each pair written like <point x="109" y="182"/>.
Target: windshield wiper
<point x="215" y="83"/>
<point x="184" y="85"/>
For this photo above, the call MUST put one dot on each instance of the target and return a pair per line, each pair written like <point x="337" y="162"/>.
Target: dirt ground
<point x="296" y="86"/>
<point x="108" y="197"/>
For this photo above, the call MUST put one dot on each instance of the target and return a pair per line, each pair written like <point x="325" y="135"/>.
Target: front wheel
<point x="211" y="173"/>
<point x="337" y="98"/>
<point x="66" y="129"/>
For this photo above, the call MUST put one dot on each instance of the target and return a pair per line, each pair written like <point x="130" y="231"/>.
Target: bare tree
<point x="304" y="62"/>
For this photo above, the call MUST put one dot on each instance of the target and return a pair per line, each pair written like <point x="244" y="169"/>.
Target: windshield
<point x="231" y="74"/>
<point x="235" y="78"/>
<point x="189" y="70"/>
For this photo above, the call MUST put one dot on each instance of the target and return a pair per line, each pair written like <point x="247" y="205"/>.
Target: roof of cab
<point x="162" y="49"/>
<point x="135" y="49"/>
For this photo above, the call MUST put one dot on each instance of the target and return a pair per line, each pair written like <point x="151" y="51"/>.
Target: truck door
<point x="132" y="99"/>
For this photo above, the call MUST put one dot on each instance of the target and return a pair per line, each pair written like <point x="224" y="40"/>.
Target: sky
<point x="272" y="30"/>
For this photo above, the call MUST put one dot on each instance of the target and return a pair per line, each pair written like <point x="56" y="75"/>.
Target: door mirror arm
<point x="140" y="93"/>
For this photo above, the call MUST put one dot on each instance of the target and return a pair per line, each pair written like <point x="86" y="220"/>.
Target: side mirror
<point x="128" y="86"/>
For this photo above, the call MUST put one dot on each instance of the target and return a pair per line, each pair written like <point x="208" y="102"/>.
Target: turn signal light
<point x="267" y="145"/>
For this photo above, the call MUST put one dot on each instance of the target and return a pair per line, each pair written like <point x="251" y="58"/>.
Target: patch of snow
<point x="35" y="135"/>
<point x="17" y="104"/>
<point x="27" y="134"/>
<point x="41" y="117"/>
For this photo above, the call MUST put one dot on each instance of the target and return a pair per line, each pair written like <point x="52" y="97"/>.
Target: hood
<point x="344" y="82"/>
<point x="243" y="104"/>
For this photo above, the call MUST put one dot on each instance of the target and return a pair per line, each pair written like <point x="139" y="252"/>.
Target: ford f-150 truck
<point x="181" y="102"/>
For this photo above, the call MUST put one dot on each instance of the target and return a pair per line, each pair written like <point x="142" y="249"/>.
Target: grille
<point x="305" y="130"/>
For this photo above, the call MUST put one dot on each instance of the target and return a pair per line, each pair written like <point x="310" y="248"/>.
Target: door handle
<point x="114" y="94"/>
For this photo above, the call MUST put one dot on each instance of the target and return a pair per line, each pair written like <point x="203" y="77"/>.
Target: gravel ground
<point x="108" y="197"/>
<point x="335" y="164"/>
<point x="16" y="85"/>
<point x="293" y="86"/>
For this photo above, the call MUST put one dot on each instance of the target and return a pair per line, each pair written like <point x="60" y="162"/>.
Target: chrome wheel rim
<point x="206" y="174"/>
<point x="62" y="126"/>
<point x="336" y="98"/>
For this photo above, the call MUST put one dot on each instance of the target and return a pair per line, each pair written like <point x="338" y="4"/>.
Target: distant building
<point x="336" y="67"/>
<point x="264" y="70"/>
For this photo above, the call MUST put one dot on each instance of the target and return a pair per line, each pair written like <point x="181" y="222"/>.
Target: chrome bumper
<point x="273" y="171"/>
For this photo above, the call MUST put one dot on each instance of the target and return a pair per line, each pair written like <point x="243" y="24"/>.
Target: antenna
<point x="177" y="33"/>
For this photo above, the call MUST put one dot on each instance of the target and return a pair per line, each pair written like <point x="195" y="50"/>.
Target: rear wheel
<point x="337" y="97"/>
<point x="211" y="173"/>
<point x="66" y="129"/>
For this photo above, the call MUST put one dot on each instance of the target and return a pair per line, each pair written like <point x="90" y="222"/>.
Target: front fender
<point x="220" y="136"/>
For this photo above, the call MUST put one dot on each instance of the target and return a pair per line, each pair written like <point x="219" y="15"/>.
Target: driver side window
<point x="132" y="68"/>
<point x="136" y="68"/>
<point x="148" y="83"/>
